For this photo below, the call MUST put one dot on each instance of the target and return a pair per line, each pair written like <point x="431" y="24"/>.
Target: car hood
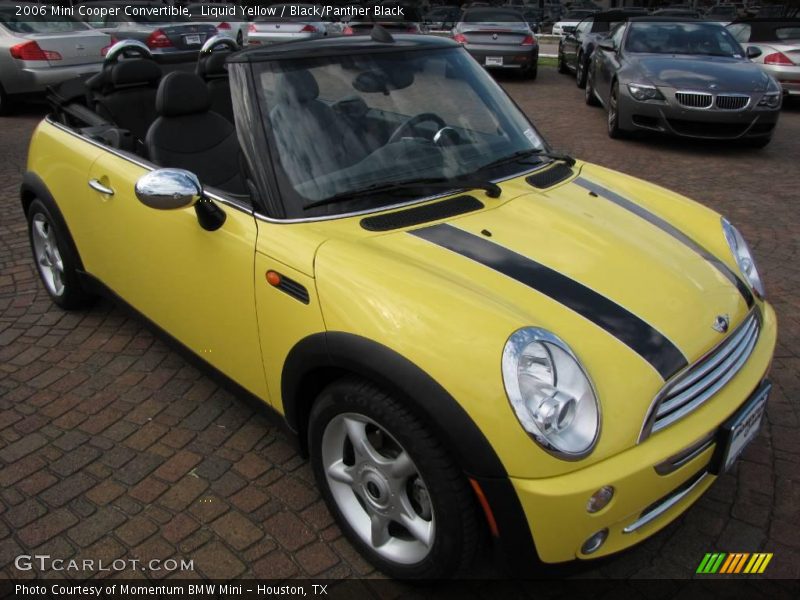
<point x="635" y="302"/>
<point x="701" y="72"/>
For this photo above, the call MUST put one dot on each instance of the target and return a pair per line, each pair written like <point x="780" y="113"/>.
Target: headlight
<point x="770" y="100"/>
<point x="550" y="393"/>
<point x="644" y="91"/>
<point x="744" y="258"/>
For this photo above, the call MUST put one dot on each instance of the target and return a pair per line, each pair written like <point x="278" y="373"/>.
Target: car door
<point x="608" y="63"/>
<point x="197" y="285"/>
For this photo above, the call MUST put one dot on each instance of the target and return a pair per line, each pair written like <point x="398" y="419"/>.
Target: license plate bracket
<point x="735" y="434"/>
<point x="494" y="61"/>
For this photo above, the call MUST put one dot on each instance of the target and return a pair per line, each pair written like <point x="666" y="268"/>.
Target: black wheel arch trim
<point x="356" y="355"/>
<point x="33" y="188"/>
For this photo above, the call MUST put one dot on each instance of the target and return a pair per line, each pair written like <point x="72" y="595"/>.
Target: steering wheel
<point x="412" y="122"/>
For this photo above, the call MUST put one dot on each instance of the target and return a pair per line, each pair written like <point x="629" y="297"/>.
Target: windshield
<point x="341" y="124"/>
<point x="709" y="39"/>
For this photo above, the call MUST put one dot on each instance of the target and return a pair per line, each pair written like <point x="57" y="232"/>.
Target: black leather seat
<point x="189" y="135"/>
<point x="129" y="99"/>
<point x="211" y="67"/>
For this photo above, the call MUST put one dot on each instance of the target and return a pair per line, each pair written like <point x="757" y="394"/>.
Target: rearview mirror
<point x="169" y="189"/>
<point x="607" y="45"/>
<point x="753" y="52"/>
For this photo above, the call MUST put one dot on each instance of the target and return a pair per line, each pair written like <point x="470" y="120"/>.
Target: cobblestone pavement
<point x="112" y="446"/>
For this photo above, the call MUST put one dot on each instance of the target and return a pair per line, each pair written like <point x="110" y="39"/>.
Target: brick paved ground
<point x="113" y="446"/>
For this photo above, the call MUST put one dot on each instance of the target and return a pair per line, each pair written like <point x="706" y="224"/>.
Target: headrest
<point x="297" y="86"/>
<point x="212" y="66"/>
<point x="182" y="93"/>
<point x="135" y="71"/>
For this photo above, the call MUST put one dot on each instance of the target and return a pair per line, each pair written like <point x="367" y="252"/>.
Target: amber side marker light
<point x="273" y="278"/>
<point x="486" y="508"/>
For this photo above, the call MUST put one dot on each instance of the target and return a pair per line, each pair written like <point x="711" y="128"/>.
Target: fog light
<point x="593" y="543"/>
<point x="600" y="499"/>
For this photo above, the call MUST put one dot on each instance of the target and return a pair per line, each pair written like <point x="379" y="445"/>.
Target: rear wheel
<point x="531" y="72"/>
<point x="56" y="262"/>
<point x="392" y="487"/>
<point x="562" y="63"/>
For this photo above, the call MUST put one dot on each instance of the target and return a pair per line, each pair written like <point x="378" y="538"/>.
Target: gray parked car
<point x="498" y="38"/>
<point x="687" y="78"/>
<point x="291" y="22"/>
<point x="169" y="38"/>
<point x="36" y="52"/>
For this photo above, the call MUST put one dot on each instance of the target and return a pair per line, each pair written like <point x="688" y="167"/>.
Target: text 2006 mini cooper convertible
<point x="471" y="335"/>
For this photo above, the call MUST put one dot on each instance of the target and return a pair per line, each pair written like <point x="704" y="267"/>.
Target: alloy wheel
<point x="47" y="254"/>
<point x="378" y="488"/>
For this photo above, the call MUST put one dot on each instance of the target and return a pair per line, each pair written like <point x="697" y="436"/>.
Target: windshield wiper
<point x="520" y="155"/>
<point x="492" y="189"/>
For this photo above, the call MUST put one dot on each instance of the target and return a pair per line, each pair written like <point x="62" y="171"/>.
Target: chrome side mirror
<point x="169" y="189"/>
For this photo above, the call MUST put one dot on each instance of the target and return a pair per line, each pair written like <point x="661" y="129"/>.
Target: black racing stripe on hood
<point x="643" y="339"/>
<point x="671" y="230"/>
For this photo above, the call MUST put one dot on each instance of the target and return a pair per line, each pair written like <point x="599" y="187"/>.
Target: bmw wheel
<point x="562" y="64"/>
<point x="580" y="72"/>
<point x="613" y="113"/>
<point x="56" y="262"/>
<point x="393" y="489"/>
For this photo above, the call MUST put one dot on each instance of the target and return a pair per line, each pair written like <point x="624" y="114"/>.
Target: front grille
<point x="694" y="99"/>
<point x="691" y="388"/>
<point x="732" y="101"/>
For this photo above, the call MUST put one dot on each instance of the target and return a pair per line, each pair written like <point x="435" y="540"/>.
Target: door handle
<point x="99" y="187"/>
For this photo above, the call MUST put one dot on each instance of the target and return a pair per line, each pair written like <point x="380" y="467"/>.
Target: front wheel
<point x="580" y="72"/>
<point x="588" y="92"/>
<point x="614" y="130"/>
<point x="56" y="262"/>
<point x="393" y="489"/>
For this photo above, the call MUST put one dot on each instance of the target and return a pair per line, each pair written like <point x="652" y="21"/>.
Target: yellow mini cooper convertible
<point x="471" y="336"/>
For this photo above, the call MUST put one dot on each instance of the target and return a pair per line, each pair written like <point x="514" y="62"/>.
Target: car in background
<point x="569" y="21"/>
<point x="575" y="48"/>
<point x="779" y="42"/>
<point x="169" y="39"/>
<point x="37" y="52"/>
<point x="534" y="17"/>
<point x="442" y="17"/>
<point x="686" y="78"/>
<point x="411" y="20"/>
<point x="722" y="13"/>
<point x="498" y="38"/>
<point x="275" y="29"/>
<point x="234" y="26"/>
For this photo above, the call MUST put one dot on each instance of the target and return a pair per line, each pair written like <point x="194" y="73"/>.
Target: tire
<point x="562" y="66"/>
<point x="588" y="94"/>
<point x="614" y="131"/>
<point x="56" y="262"/>
<point x="531" y="72"/>
<point x="5" y="103"/>
<point x="368" y="500"/>
<point x="581" y="67"/>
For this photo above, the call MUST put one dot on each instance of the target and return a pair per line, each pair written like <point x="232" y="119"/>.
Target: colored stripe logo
<point x="638" y="335"/>
<point x="734" y="563"/>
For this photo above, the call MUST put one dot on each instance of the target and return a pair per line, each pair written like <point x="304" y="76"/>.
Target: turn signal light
<point x="777" y="58"/>
<point x="308" y="29"/>
<point x="460" y="38"/>
<point x="252" y="28"/>
<point x="224" y="25"/>
<point x="273" y="278"/>
<point x="347" y="30"/>
<point x="529" y="41"/>
<point x="32" y="51"/>
<point x="158" y="39"/>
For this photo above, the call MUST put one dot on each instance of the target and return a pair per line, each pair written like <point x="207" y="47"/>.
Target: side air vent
<point x="422" y="214"/>
<point x="548" y="178"/>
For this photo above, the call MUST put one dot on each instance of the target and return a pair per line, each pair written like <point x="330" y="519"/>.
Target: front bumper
<point x="556" y="507"/>
<point x="513" y="57"/>
<point x="669" y="117"/>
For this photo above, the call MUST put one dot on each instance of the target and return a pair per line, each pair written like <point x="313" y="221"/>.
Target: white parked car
<point x="568" y="22"/>
<point x="229" y="19"/>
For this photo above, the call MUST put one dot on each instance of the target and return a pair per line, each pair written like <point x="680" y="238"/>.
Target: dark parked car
<point x="498" y="38"/>
<point x="411" y="20"/>
<point x="575" y="48"/>
<point x="688" y="78"/>
<point x="442" y="17"/>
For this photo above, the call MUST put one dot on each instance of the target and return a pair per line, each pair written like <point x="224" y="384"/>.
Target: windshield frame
<point x="280" y="197"/>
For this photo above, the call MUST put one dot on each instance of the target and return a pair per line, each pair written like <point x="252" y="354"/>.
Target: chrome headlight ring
<point x="550" y="393"/>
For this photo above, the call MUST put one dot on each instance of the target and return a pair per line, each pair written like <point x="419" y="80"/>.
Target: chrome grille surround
<point x="700" y="381"/>
<point x="732" y="101"/>
<point x="695" y="99"/>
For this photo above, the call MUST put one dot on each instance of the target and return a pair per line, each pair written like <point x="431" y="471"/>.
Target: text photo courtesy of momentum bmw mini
<point x="474" y="339"/>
